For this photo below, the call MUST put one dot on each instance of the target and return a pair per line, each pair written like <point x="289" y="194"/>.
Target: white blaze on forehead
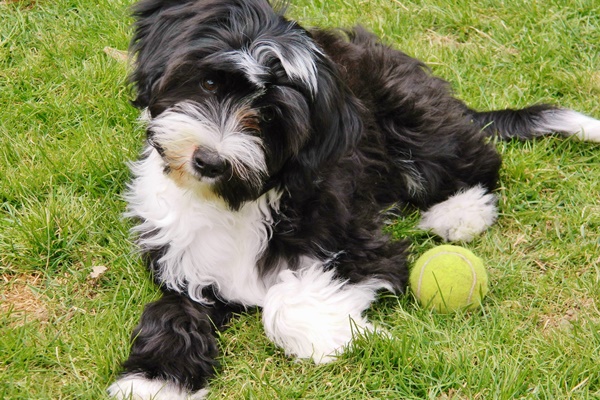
<point x="254" y="71"/>
<point x="297" y="57"/>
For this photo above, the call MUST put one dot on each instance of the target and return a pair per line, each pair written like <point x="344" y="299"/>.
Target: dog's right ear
<point x="149" y="47"/>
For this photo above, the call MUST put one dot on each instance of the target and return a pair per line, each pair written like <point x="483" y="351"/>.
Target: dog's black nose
<point x="209" y="163"/>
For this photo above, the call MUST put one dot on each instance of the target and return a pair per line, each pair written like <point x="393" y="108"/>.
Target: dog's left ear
<point x="336" y="125"/>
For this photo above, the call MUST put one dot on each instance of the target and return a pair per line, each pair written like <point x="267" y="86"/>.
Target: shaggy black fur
<point x="377" y="130"/>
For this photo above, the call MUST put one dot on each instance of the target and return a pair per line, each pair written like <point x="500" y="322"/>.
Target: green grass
<point x="67" y="129"/>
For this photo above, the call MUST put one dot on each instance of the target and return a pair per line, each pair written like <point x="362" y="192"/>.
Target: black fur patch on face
<point x="244" y="53"/>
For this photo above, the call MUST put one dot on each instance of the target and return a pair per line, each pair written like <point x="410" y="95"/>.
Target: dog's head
<point x="239" y="99"/>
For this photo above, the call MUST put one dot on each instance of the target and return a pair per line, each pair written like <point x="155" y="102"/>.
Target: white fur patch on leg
<point x="310" y="314"/>
<point x="136" y="387"/>
<point x="463" y="216"/>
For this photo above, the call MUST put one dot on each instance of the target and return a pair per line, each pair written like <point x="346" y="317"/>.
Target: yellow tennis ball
<point x="448" y="278"/>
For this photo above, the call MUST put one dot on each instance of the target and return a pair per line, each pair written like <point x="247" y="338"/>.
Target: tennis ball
<point x="448" y="278"/>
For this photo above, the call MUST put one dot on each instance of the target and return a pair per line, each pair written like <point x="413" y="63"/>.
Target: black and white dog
<point x="272" y="152"/>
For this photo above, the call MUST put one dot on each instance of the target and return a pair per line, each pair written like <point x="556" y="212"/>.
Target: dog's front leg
<point x="173" y="351"/>
<point x="312" y="314"/>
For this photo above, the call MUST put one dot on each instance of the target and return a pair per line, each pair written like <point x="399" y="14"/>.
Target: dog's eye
<point x="267" y="114"/>
<point x="209" y="84"/>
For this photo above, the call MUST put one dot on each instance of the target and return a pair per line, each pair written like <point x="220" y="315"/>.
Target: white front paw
<point x="136" y="387"/>
<point x="310" y="314"/>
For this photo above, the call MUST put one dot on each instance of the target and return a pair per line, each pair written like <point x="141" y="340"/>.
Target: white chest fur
<point x="207" y="243"/>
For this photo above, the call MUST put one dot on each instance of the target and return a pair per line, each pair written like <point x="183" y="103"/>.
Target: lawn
<point x="72" y="286"/>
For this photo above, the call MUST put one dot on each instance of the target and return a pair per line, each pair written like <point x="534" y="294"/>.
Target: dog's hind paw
<point x="463" y="216"/>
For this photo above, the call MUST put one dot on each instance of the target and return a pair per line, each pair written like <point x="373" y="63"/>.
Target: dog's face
<point x="238" y="98"/>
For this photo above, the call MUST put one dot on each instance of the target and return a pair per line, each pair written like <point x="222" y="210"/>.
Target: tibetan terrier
<point x="272" y="154"/>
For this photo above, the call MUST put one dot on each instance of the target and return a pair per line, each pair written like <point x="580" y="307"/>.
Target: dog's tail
<point x="535" y="121"/>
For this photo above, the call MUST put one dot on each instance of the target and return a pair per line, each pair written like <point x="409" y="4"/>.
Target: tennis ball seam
<point x="473" y="273"/>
